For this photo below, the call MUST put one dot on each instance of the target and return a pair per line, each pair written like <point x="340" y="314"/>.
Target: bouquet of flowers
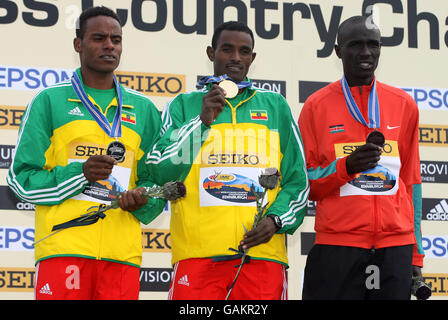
<point x="268" y="180"/>
<point x="170" y="191"/>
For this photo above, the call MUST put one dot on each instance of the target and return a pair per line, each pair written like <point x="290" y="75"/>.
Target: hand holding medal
<point x="377" y="138"/>
<point x="230" y="88"/>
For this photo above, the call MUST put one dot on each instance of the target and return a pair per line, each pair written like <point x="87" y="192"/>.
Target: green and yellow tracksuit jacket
<point x="219" y="165"/>
<point x="56" y="136"/>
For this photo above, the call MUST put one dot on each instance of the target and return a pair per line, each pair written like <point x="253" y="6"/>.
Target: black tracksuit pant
<point x="349" y="273"/>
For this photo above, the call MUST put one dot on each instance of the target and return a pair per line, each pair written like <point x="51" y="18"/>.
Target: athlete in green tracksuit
<point x="219" y="160"/>
<point x="56" y="136"/>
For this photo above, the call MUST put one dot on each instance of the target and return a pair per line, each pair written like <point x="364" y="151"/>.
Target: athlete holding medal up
<point x="218" y="140"/>
<point x="80" y="144"/>
<point x="361" y="145"/>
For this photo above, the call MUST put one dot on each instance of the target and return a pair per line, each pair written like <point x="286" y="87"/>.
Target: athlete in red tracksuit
<point x="368" y="199"/>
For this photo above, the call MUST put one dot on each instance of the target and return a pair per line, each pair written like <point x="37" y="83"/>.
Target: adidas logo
<point x="76" y="112"/>
<point x="439" y="212"/>
<point x="184" y="281"/>
<point x="46" y="289"/>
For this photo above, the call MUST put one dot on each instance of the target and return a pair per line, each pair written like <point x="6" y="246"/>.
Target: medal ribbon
<point x="100" y="118"/>
<point x="374" y="107"/>
<point x="211" y="79"/>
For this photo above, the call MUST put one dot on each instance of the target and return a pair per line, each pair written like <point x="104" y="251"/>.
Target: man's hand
<point x="262" y="233"/>
<point x="212" y="104"/>
<point x="363" y="158"/>
<point x="417" y="271"/>
<point x="98" y="167"/>
<point x="132" y="200"/>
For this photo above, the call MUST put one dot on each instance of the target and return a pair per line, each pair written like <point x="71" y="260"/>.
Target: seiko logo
<point x="10" y="117"/>
<point x="348" y="149"/>
<point x="87" y="151"/>
<point x="235" y="158"/>
<point x="153" y="84"/>
<point x="433" y="135"/>
<point x="156" y="240"/>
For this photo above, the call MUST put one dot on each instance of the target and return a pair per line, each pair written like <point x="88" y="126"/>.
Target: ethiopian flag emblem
<point x="258" y="115"/>
<point x="128" y="117"/>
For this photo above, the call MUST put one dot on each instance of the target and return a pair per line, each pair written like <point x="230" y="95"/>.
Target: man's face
<point x="100" y="48"/>
<point x="233" y="54"/>
<point x="359" y="50"/>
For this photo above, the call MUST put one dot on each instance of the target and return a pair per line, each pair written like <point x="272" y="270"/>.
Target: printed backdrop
<point x="164" y="53"/>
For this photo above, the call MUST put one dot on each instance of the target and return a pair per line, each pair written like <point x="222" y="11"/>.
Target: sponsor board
<point x="153" y="84"/>
<point x="9" y="201"/>
<point x="155" y="279"/>
<point x="433" y="135"/>
<point x="38" y="78"/>
<point x="324" y="19"/>
<point x="11" y="117"/>
<point x="438" y="282"/>
<point x="434" y="171"/>
<point x="31" y="78"/>
<point x="311" y="208"/>
<point x="307" y="88"/>
<point x="6" y="155"/>
<point x="22" y="279"/>
<point x="435" y="247"/>
<point x="17" y="279"/>
<point x="426" y="98"/>
<point x="16" y="238"/>
<point x="306" y="242"/>
<point x="156" y="240"/>
<point x="435" y="209"/>
<point x="429" y="98"/>
<point x="277" y="86"/>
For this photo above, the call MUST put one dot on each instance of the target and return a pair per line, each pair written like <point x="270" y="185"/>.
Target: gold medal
<point x="230" y="88"/>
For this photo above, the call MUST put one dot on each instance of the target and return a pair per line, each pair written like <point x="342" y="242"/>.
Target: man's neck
<point x="97" y="80"/>
<point x="357" y="82"/>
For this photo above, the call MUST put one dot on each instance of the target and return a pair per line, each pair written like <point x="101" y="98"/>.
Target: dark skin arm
<point x="363" y="158"/>
<point x="212" y="104"/>
<point x="261" y="234"/>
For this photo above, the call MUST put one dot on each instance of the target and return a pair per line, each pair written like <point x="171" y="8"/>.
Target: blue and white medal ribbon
<point x="374" y="107"/>
<point x="212" y="79"/>
<point x="112" y="131"/>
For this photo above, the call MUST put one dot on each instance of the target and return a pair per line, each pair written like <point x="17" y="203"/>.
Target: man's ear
<point x="254" y="54"/>
<point x="211" y="53"/>
<point x="77" y="44"/>
<point x="337" y="49"/>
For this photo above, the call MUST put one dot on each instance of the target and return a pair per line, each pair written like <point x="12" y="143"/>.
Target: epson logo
<point x="429" y="98"/>
<point x="37" y="78"/>
<point x="435" y="247"/>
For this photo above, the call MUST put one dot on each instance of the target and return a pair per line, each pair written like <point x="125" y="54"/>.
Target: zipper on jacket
<point x="375" y="220"/>
<point x="234" y="108"/>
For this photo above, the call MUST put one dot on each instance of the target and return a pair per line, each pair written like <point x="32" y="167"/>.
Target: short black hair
<point x="231" y="26"/>
<point x="353" y="21"/>
<point x="90" y="13"/>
